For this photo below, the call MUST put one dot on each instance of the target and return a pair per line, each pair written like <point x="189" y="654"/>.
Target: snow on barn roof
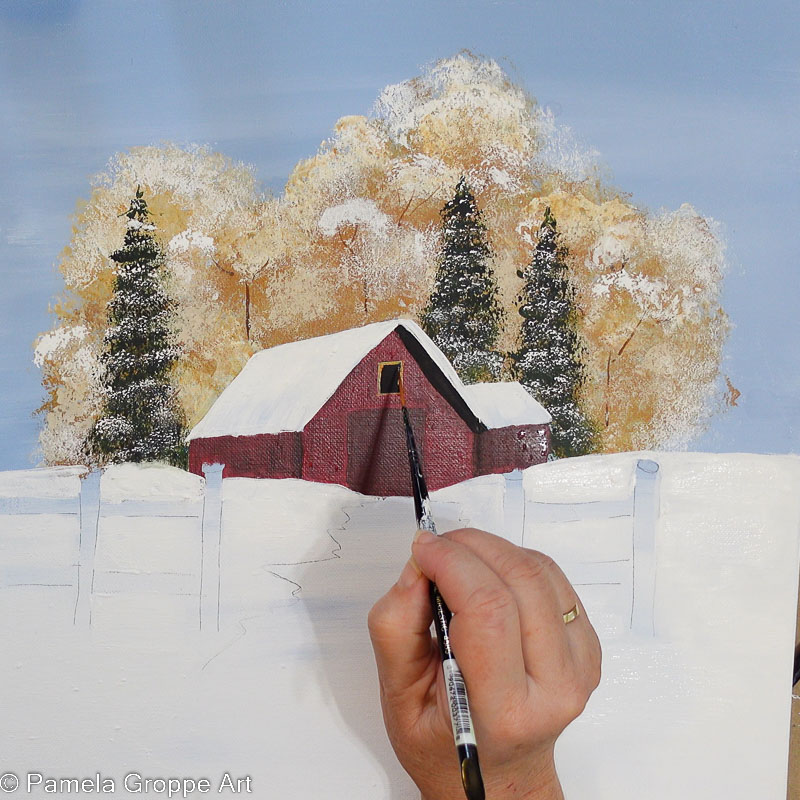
<point x="501" y="404"/>
<point x="257" y="400"/>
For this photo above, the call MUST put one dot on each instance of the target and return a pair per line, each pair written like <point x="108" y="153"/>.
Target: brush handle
<point x="458" y="702"/>
<point x="460" y="717"/>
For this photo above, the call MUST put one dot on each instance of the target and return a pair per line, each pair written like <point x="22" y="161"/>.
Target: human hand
<point x="528" y="673"/>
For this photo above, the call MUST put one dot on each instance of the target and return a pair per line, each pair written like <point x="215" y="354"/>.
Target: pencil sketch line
<point x="202" y="553"/>
<point x="242" y="634"/>
<point x="219" y="557"/>
<point x="142" y="572"/>
<point x="80" y="550"/>
<point x="335" y="553"/>
<point x="70" y="585"/>
<point x="599" y="583"/>
<point x="296" y="591"/>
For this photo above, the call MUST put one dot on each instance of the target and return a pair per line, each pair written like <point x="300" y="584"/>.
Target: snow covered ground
<point x="696" y="702"/>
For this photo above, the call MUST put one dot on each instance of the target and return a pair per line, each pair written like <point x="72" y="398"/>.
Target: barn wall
<point x="445" y="441"/>
<point x="502" y="450"/>
<point x="278" y="455"/>
<point x="379" y="434"/>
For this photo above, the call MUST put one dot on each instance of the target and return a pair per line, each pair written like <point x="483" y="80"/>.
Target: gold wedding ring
<point x="572" y="614"/>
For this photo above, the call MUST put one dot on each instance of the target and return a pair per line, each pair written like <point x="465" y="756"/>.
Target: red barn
<point x="327" y="409"/>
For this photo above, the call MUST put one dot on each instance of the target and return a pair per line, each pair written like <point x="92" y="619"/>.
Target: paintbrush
<point x="460" y="718"/>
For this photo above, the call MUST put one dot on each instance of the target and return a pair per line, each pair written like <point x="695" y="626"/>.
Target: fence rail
<point x="40" y="505"/>
<point x="80" y="572"/>
<point x="634" y="572"/>
<point x="89" y="522"/>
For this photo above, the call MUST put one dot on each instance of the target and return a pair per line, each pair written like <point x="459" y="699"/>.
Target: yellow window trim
<point x="383" y="364"/>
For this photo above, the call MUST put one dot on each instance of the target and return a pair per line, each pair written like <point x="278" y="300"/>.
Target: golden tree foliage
<point x="187" y="191"/>
<point x="354" y="237"/>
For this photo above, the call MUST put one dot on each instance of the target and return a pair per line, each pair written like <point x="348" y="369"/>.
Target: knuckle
<point x="595" y="671"/>
<point x="575" y="703"/>
<point x="460" y="535"/>
<point x="491" y="604"/>
<point x="453" y="535"/>
<point x="448" y="560"/>
<point x="525" y="569"/>
<point x="372" y="620"/>
<point x="573" y="697"/>
<point x="377" y="622"/>
<point x="595" y="678"/>
<point x="538" y="555"/>
<point x="594" y="661"/>
<point x="544" y="561"/>
<point x="579" y="690"/>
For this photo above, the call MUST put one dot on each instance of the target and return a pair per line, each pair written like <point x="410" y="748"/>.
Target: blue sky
<point x="686" y="102"/>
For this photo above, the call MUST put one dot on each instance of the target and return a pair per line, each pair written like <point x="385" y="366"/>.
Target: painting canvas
<point x="227" y="233"/>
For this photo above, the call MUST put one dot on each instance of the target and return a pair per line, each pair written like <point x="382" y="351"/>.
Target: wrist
<point x="538" y="782"/>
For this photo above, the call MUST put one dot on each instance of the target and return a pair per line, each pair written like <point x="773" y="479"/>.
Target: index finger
<point x="485" y="628"/>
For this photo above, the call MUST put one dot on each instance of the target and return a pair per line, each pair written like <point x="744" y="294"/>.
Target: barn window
<point x="389" y="377"/>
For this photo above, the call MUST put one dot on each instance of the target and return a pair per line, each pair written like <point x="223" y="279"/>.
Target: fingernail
<point x="410" y="574"/>
<point x="424" y="537"/>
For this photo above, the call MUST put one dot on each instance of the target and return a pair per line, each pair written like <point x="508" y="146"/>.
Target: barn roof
<point x="257" y="400"/>
<point x="501" y="404"/>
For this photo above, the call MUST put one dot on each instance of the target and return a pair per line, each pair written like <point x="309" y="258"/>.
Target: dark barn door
<point x="377" y="456"/>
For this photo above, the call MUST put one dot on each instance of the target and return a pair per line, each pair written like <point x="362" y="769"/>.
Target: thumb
<point x="399" y="626"/>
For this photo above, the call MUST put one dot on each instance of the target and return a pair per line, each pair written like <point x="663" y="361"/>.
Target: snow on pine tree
<point x="141" y="419"/>
<point x="464" y="315"/>
<point x="548" y="362"/>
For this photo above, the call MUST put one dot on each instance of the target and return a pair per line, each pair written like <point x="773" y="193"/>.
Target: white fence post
<point x="514" y="507"/>
<point x="646" y="508"/>
<point x="211" y="534"/>
<point x="89" y="521"/>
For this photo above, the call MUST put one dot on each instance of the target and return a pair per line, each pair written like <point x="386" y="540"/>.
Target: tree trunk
<point x="247" y="311"/>
<point x="608" y="365"/>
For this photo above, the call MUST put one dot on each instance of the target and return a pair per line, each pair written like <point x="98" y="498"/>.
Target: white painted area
<point x="480" y="503"/>
<point x="54" y="482"/>
<point x="647" y="292"/>
<point x="675" y="714"/>
<point x="570" y="479"/>
<point x="38" y="540"/>
<point x="190" y="239"/>
<point x="137" y="545"/>
<point x="291" y="670"/>
<point x="123" y="482"/>
<point x="358" y="210"/>
<point x="502" y="404"/>
<point x="612" y="246"/>
<point x="50" y="343"/>
<point x="282" y="388"/>
<point x="262" y="532"/>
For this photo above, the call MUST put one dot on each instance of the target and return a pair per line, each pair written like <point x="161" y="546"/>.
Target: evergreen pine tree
<point x="548" y="361"/>
<point x="464" y="316"/>
<point x="141" y="419"/>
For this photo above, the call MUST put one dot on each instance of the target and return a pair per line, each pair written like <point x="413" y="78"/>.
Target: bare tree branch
<point x="633" y="332"/>
<point x="403" y="212"/>
<point x="425" y="200"/>
<point x="222" y="269"/>
<point x="357" y="258"/>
